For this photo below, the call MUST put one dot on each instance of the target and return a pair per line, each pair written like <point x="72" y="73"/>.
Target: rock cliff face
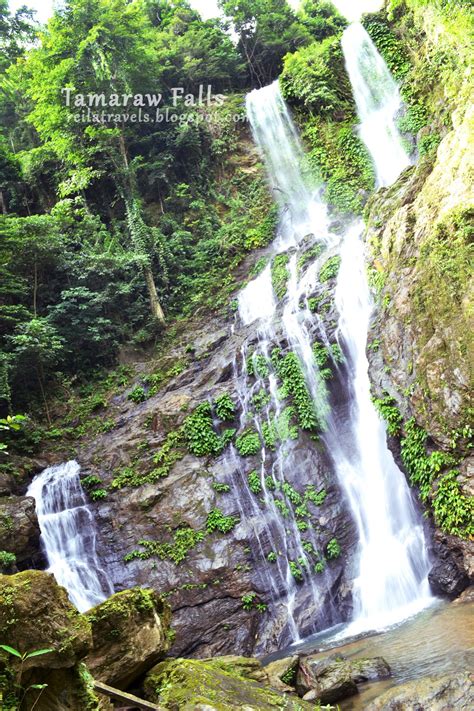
<point x="421" y="350"/>
<point x="209" y="577"/>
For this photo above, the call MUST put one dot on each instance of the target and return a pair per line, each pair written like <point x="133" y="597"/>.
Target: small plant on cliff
<point x="137" y="395"/>
<point x="199" y="432"/>
<point x="217" y="521"/>
<point x="280" y="275"/>
<point x="254" y="482"/>
<point x="388" y="410"/>
<point x="257" y="365"/>
<point x="225" y="408"/>
<point x="7" y="561"/>
<point x="333" y="549"/>
<point x="296" y="571"/>
<point x="248" y="443"/>
<point x="330" y="269"/>
<point x="316" y="497"/>
<point x="453" y="511"/>
<point x="291" y="374"/>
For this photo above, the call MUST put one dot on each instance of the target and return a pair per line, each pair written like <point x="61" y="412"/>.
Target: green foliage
<point x="248" y="443"/>
<point x="428" y="144"/>
<point x="270" y="435"/>
<point x="184" y="539"/>
<point x="137" y="395"/>
<point x="310" y="255"/>
<point x="261" y="399"/>
<point x="333" y="549"/>
<point x="283" y="507"/>
<point x="289" y="677"/>
<point x="267" y="30"/>
<point x="225" y="408"/>
<point x="422" y="468"/>
<point x="257" y="365"/>
<point x="220" y="488"/>
<point x="272" y="557"/>
<point x="7" y="561"/>
<point x="388" y="410"/>
<point x="201" y="439"/>
<point x="291" y="374"/>
<point x="280" y="274"/>
<point x="296" y="571"/>
<point x="291" y="493"/>
<point x="319" y="566"/>
<point x="98" y="494"/>
<point x="255" y="485"/>
<point x="314" y="77"/>
<point x="316" y="497"/>
<point x="341" y="159"/>
<point x="248" y="600"/>
<point x="217" y="521"/>
<point x="330" y="269"/>
<point x="453" y="510"/>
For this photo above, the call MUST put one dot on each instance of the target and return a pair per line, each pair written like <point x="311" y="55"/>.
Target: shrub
<point x="217" y="521"/>
<point x="280" y="275"/>
<point x="330" y="269"/>
<point x="138" y="394"/>
<point x="225" y="407"/>
<point x="199" y="432"/>
<point x="248" y="443"/>
<point x="333" y="549"/>
<point x="7" y="560"/>
<point x="254" y="482"/>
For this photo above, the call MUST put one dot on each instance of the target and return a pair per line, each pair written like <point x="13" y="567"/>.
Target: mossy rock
<point x="218" y="684"/>
<point x="35" y="613"/>
<point x="131" y="633"/>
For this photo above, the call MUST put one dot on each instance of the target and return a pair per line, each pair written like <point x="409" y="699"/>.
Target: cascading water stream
<point x="68" y="534"/>
<point x="376" y="95"/>
<point x="392" y="560"/>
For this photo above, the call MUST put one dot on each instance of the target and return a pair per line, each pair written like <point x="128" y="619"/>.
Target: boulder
<point x="131" y="633"/>
<point x="441" y="693"/>
<point x="35" y="613"/>
<point x="447" y="577"/>
<point x="214" y="685"/>
<point x="334" y="678"/>
<point x="19" y="530"/>
<point x="282" y="673"/>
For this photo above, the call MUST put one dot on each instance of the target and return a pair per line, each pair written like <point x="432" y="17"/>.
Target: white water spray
<point x="392" y="557"/>
<point x="68" y="535"/>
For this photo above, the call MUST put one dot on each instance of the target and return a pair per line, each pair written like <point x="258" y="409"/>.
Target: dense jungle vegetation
<point x="111" y="231"/>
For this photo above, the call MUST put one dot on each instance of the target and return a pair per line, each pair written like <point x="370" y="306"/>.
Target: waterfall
<point x="68" y="534"/>
<point x="377" y="99"/>
<point x="391" y="562"/>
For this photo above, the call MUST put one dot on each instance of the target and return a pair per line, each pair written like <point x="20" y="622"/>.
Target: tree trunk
<point x="156" y="309"/>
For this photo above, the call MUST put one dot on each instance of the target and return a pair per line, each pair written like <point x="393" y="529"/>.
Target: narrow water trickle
<point x="68" y="535"/>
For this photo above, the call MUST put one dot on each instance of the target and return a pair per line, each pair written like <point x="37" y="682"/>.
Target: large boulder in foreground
<point x="35" y="613"/>
<point x="334" y="678"/>
<point x="454" y="691"/>
<point x="131" y="633"/>
<point x="214" y="685"/>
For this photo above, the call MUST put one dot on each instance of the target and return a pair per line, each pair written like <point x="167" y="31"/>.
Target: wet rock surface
<point x="430" y="694"/>
<point x="335" y="678"/>
<point x="206" y="589"/>
<point x="19" y="531"/>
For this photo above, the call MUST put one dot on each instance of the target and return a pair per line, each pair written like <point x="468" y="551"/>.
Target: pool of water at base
<point x="439" y="640"/>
